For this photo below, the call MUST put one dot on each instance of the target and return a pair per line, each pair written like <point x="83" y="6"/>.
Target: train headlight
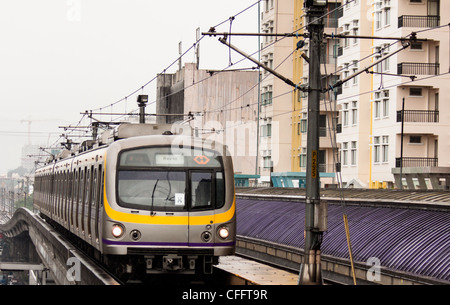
<point x="117" y="230"/>
<point x="223" y="232"/>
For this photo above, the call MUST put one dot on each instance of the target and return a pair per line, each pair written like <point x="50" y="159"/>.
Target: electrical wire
<point x="178" y="58"/>
<point x="259" y="51"/>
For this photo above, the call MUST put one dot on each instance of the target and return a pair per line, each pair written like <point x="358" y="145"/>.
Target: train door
<point x="99" y="205"/>
<point x="201" y="204"/>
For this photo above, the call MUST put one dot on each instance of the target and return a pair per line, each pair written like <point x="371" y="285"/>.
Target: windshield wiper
<point x="153" y="198"/>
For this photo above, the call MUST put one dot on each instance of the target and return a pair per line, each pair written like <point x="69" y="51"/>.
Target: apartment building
<point x="223" y="106"/>
<point x="276" y="96"/>
<point x="328" y="112"/>
<point x="396" y="115"/>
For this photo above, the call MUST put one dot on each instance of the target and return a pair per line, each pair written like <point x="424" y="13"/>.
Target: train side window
<point x="220" y="190"/>
<point x="69" y="194"/>
<point x="82" y="197"/>
<point x="89" y="185"/>
<point x="77" y="197"/>
<point x="61" y="192"/>
<point x="94" y="189"/>
<point x="63" y="206"/>
<point x="54" y="190"/>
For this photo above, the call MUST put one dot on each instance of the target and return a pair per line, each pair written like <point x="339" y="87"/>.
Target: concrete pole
<point x="311" y="273"/>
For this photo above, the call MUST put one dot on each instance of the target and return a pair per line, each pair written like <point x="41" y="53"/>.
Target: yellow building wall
<point x="297" y="104"/>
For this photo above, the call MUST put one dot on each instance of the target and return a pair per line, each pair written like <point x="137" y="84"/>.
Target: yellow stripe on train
<point x="170" y="220"/>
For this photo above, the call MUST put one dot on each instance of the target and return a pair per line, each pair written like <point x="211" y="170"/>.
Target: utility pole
<point x="316" y="209"/>
<point x="311" y="273"/>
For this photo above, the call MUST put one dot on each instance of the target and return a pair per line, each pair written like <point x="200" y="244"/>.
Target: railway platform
<point x="243" y="271"/>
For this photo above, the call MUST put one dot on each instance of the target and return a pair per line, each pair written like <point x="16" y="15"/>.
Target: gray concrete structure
<point x="436" y="178"/>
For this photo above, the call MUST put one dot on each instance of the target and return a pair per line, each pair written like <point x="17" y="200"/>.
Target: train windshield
<point x="161" y="179"/>
<point x="152" y="189"/>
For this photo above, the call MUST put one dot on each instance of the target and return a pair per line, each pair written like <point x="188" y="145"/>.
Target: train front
<point x="168" y="207"/>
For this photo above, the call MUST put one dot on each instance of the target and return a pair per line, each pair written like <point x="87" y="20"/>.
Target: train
<point x="143" y="199"/>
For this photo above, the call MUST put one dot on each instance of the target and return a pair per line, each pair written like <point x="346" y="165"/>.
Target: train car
<point x="155" y="202"/>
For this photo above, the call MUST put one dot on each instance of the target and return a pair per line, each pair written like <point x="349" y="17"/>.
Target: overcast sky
<point x="61" y="57"/>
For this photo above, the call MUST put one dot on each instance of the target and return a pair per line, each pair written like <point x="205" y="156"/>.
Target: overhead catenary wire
<point x="193" y="47"/>
<point x="227" y="20"/>
<point x="154" y="78"/>
<point x="178" y="58"/>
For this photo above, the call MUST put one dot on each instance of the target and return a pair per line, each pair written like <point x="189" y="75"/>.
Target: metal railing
<point x="416" y="162"/>
<point x="419" y="116"/>
<point x="418" y="21"/>
<point x="416" y="68"/>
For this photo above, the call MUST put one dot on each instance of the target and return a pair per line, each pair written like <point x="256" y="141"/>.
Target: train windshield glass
<point x="152" y="190"/>
<point x="170" y="179"/>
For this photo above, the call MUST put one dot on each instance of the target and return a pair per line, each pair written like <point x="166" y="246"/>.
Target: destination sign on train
<point x="169" y="160"/>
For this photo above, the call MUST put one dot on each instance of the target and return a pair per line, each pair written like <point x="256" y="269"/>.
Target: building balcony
<point x="409" y="21"/>
<point x="416" y="68"/>
<point x="416" y="162"/>
<point x="418" y="116"/>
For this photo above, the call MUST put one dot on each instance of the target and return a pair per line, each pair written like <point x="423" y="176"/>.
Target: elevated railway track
<point x="270" y="226"/>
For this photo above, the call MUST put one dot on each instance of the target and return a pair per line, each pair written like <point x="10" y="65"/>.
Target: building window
<point x="354" y="113"/>
<point x="353" y="153"/>
<point x="266" y="130"/>
<point x="355" y="33"/>
<point x="381" y="52"/>
<point x="415" y="91"/>
<point x="387" y="16"/>
<point x="270" y="61"/>
<point x="377" y="109"/>
<point x="376" y="149"/>
<point x="415" y="139"/>
<point x="416" y="45"/>
<point x="345" y="153"/>
<point x="267" y="162"/>
<point x="303" y="125"/>
<point x="385" y="149"/>
<point x="385" y="108"/>
<point x="266" y="96"/>
<point x="378" y="15"/>
<point x="346" y="74"/>
<point x="382" y="14"/>
<point x="345" y="115"/>
<point x="381" y="104"/>
<point x="355" y="78"/>
<point x="303" y="158"/>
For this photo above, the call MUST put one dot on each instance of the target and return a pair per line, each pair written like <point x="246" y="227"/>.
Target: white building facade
<point x="416" y="80"/>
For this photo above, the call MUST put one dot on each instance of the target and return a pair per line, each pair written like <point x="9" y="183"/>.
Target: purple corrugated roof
<point x="414" y="241"/>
